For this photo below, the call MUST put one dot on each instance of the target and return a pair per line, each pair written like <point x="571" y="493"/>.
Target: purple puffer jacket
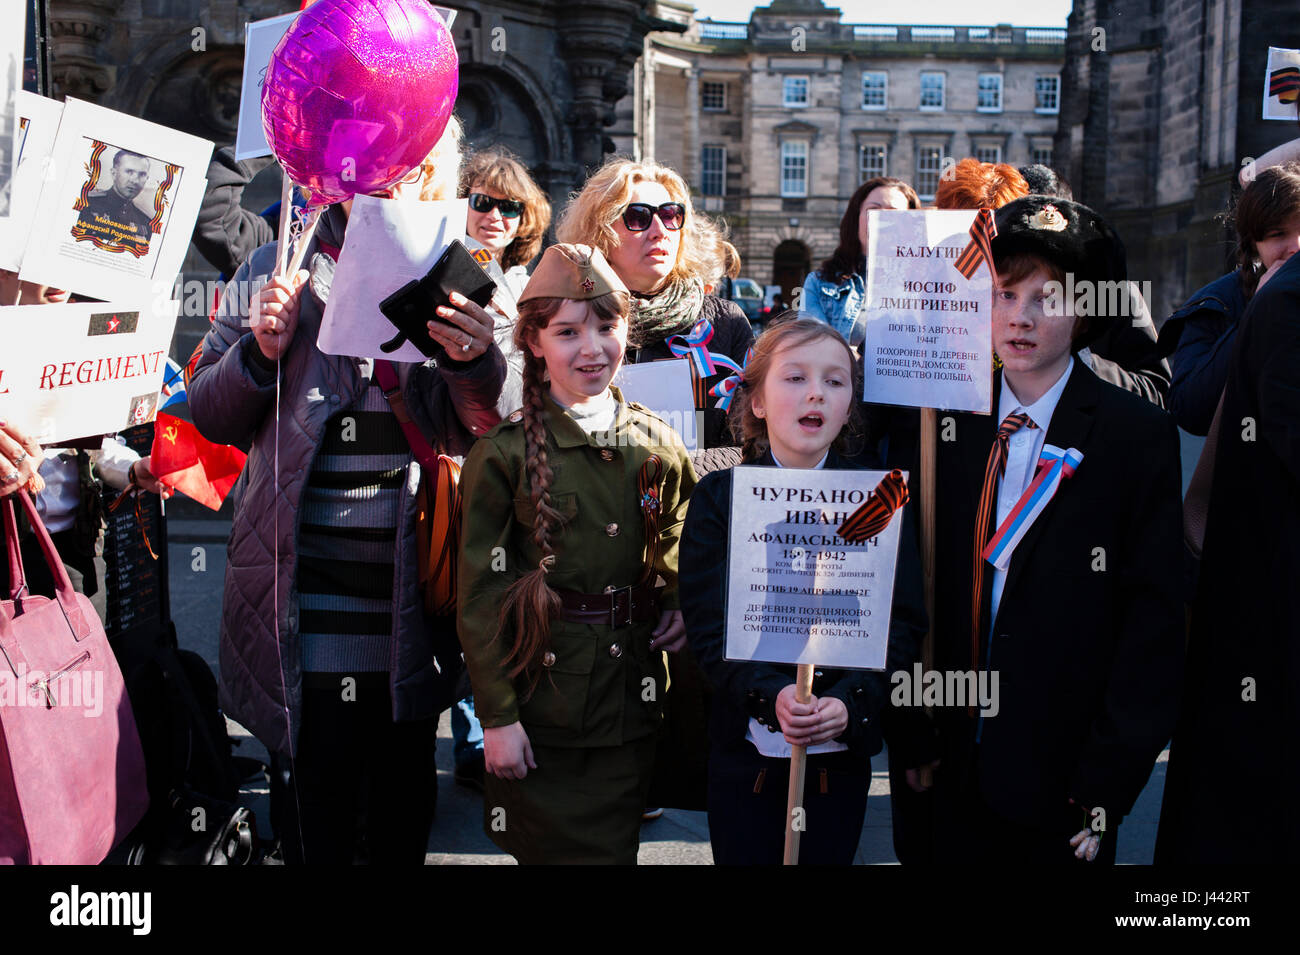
<point x="261" y="678"/>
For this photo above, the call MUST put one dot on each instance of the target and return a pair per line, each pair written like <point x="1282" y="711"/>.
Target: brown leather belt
<point x="613" y="609"/>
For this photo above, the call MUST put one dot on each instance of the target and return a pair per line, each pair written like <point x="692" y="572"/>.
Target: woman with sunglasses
<point x="508" y="213"/>
<point x="508" y="217"/>
<point x="639" y="214"/>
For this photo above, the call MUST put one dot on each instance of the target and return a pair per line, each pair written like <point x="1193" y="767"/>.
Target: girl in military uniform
<point x="573" y="510"/>
<point x="794" y="406"/>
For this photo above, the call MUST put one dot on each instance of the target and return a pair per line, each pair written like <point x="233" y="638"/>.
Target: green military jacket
<point x="605" y="687"/>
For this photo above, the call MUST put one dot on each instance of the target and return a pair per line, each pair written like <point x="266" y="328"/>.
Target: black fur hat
<point x="1077" y="240"/>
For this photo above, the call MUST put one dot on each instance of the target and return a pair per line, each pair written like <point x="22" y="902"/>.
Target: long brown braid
<point x="530" y="603"/>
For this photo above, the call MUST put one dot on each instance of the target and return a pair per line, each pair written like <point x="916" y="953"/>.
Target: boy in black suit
<point x="1080" y="633"/>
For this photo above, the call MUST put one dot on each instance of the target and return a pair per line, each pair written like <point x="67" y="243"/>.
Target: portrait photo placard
<point x="260" y="39"/>
<point x="117" y="210"/>
<point x="929" y="328"/>
<point x="38" y="121"/>
<point x="75" y="370"/>
<point x="796" y="591"/>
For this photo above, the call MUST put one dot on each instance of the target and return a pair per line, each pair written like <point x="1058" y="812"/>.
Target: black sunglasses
<point x="510" y="208"/>
<point x="638" y="216"/>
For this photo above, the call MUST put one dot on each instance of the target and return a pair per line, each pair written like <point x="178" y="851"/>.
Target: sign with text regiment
<point x="796" y="592"/>
<point x="929" y="330"/>
<point x="74" y="370"/>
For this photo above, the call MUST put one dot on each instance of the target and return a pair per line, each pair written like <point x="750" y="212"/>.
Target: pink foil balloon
<point x="357" y="93"/>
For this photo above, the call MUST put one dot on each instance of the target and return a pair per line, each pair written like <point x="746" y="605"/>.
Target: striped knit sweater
<point x="348" y="537"/>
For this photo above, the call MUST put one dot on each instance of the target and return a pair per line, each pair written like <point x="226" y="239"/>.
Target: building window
<point x="871" y="162"/>
<point x="931" y="91"/>
<point x="991" y="154"/>
<point x="929" y="164"/>
<point x="794" y="92"/>
<point x="1041" y="154"/>
<point x="1047" y="94"/>
<point x="990" y="93"/>
<point x="713" y="170"/>
<point x="794" y="169"/>
<point x="713" y="97"/>
<point x="875" y="88"/>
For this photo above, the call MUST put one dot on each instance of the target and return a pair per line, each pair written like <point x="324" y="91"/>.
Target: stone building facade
<point x="1161" y="105"/>
<point x="776" y="122"/>
<point x="540" y="76"/>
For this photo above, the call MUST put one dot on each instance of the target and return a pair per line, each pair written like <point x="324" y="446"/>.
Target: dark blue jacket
<point x="1200" y="336"/>
<point x="744" y="690"/>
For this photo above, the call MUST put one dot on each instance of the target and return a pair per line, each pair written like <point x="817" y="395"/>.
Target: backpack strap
<point x="386" y="375"/>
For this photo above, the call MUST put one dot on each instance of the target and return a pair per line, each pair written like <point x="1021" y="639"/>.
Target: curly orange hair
<point x="972" y="184"/>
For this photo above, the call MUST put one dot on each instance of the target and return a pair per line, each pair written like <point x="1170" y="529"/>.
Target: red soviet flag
<point x="189" y="462"/>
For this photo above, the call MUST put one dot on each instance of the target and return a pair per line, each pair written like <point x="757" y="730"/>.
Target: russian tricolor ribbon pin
<point x="1054" y="466"/>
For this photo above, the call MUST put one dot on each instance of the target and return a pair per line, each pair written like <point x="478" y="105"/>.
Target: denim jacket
<point x="835" y="303"/>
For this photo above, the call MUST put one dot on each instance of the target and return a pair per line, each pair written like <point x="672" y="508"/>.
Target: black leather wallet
<point x="412" y="306"/>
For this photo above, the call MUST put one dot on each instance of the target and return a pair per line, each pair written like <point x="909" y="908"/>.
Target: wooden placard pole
<point x="798" y="768"/>
<point x="929" y="449"/>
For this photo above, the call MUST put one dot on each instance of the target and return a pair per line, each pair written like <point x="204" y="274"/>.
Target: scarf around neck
<point x="673" y="310"/>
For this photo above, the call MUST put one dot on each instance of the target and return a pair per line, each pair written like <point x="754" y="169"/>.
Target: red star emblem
<point x="588" y="285"/>
<point x="113" y="323"/>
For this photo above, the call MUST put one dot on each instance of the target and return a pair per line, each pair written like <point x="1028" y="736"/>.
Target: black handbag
<point x="201" y="830"/>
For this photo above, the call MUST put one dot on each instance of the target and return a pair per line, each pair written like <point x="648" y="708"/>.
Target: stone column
<point x="77" y="30"/>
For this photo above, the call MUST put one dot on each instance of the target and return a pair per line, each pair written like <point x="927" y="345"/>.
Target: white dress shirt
<point x="58" y="503"/>
<point x="1023" y="449"/>
<point x="773" y="744"/>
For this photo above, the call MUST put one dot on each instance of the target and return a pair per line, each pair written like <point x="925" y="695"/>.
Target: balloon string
<point x="275" y="602"/>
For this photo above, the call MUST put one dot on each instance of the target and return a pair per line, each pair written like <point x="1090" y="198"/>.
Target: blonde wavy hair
<point x="442" y="165"/>
<point x="590" y="216"/>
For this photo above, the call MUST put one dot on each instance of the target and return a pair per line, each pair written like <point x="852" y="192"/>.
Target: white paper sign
<point x="796" y="592"/>
<point x="388" y="243"/>
<point x="38" y="121"/>
<point x="929" y="331"/>
<point x="13" y="14"/>
<point x="116" y="215"/>
<point x="260" y="39"/>
<point x="665" y="388"/>
<point x="1281" y="84"/>
<point x="70" y="371"/>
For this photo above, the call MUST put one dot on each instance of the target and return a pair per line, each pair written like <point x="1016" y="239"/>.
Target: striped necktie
<point x="997" y="465"/>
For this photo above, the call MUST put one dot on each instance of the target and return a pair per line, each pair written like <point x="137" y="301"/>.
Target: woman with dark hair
<point x="1201" y="334"/>
<point x="835" y="292"/>
<point x="1233" y="768"/>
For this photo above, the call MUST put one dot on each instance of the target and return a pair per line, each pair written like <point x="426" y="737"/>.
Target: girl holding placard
<point x="574" y="511"/>
<point x="793" y="410"/>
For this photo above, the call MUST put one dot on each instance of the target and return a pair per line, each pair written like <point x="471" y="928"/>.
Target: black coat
<point x="732" y="336"/>
<point x="742" y="690"/>
<point x="1234" y="768"/>
<point x="1200" y="336"/>
<point x="1088" y="654"/>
